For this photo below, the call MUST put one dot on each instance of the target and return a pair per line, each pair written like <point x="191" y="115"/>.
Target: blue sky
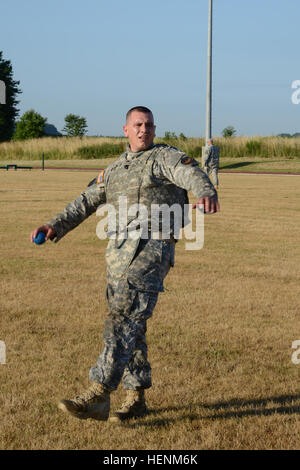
<point x="99" y="58"/>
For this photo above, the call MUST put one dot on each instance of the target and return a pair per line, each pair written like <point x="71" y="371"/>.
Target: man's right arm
<point x="73" y="214"/>
<point x="207" y="157"/>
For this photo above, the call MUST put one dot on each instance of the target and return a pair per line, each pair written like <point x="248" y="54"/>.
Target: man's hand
<point x="210" y="205"/>
<point x="46" y="229"/>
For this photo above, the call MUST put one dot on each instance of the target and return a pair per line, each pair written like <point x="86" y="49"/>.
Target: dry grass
<point x="265" y="154"/>
<point x="219" y="340"/>
<point x="260" y="165"/>
<point x="66" y="148"/>
<point x="59" y="148"/>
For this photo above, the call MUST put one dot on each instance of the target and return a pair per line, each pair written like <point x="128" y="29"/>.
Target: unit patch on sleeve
<point x="100" y="178"/>
<point x="185" y="160"/>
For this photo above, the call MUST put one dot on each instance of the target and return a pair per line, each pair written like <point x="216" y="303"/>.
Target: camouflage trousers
<point x="213" y="174"/>
<point x="131" y="301"/>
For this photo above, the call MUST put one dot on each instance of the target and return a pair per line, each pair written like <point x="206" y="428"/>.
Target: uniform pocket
<point x="149" y="266"/>
<point x="119" y="258"/>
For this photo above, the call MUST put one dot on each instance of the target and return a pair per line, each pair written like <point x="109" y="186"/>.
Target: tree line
<point x="31" y="124"/>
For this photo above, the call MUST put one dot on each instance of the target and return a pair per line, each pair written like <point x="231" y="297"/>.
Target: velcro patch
<point x="100" y="178"/>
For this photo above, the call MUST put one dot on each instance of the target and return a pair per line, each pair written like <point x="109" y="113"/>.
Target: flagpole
<point x="209" y="75"/>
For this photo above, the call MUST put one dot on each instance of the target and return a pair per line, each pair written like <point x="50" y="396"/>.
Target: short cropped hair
<point x="141" y="109"/>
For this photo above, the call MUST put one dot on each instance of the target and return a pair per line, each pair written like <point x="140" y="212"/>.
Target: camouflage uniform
<point x="210" y="162"/>
<point x="136" y="268"/>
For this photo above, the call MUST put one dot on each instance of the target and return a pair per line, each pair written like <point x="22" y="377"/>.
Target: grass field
<point x="254" y="164"/>
<point x="279" y="155"/>
<point x="236" y="154"/>
<point x="220" y="339"/>
<point x="237" y="165"/>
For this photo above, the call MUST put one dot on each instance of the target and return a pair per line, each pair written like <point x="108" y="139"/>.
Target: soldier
<point x="136" y="266"/>
<point x="210" y="162"/>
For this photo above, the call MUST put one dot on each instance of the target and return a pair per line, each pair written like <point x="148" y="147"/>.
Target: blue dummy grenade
<point x="40" y="238"/>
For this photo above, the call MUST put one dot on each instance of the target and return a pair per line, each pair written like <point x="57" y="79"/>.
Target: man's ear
<point x="125" y="130"/>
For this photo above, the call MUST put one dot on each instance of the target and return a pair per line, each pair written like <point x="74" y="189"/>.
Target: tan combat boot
<point x="133" y="407"/>
<point x="94" y="403"/>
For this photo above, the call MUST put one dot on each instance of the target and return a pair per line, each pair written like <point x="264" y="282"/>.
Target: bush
<point x="253" y="147"/>
<point x="195" y="152"/>
<point x="105" y="150"/>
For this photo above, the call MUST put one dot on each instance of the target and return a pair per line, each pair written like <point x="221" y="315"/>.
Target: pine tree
<point x="8" y="109"/>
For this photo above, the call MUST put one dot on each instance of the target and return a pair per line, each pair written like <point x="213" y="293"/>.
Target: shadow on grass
<point x="235" y="408"/>
<point x="233" y="166"/>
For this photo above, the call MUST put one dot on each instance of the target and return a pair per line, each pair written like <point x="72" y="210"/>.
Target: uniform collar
<point x="131" y="155"/>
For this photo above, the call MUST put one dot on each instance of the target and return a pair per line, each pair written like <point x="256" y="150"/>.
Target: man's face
<point x="140" y="131"/>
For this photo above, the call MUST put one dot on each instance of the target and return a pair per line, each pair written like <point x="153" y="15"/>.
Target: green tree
<point x="8" y="109"/>
<point x="229" y="131"/>
<point x="75" y="125"/>
<point x="30" y="126"/>
<point x="170" y="135"/>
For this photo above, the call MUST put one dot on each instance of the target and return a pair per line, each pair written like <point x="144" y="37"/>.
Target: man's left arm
<point x="184" y="171"/>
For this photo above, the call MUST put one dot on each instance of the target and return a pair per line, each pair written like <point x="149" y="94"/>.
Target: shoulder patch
<point x="185" y="160"/>
<point x="100" y="178"/>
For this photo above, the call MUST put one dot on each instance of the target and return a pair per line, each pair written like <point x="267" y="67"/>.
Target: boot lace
<point x="86" y="396"/>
